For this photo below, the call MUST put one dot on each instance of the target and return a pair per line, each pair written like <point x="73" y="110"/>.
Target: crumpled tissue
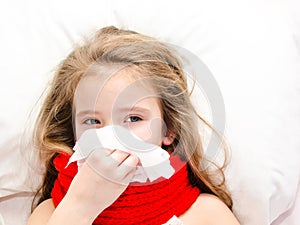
<point x="154" y="160"/>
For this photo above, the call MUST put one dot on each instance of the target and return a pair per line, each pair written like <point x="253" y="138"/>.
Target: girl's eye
<point x="133" y="119"/>
<point x="91" y="121"/>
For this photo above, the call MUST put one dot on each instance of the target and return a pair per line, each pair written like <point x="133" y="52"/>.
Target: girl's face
<point x="122" y="101"/>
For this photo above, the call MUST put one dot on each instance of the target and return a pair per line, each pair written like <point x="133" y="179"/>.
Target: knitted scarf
<point x="152" y="203"/>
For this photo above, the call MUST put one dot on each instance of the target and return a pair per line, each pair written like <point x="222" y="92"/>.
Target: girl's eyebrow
<point x="134" y="108"/>
<point x="122" y="109"/>
<point x="87" y="112"/>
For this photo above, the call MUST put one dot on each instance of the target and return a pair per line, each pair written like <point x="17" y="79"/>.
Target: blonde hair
<point x="149" y="57"/>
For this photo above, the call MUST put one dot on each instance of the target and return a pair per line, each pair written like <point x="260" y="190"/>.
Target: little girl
<point x="120" y="77"/>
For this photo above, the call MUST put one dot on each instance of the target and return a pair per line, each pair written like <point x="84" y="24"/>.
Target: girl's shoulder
<point x="209" y="210"/>
<point x="42" y="213"/>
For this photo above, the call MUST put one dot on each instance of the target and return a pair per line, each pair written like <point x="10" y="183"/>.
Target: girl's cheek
<point x="79" y="130"/>
<point x="150" y="132"/>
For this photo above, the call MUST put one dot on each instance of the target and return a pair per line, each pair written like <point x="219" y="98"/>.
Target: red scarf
<point x="153" y="203"/>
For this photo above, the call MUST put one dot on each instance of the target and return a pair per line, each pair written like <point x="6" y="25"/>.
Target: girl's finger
<point x="131" y="161"/>
<point x="119" y="156"/>
<point x="128" y="167"/>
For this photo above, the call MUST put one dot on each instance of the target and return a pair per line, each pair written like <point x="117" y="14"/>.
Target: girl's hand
<point x="101" y="180"/>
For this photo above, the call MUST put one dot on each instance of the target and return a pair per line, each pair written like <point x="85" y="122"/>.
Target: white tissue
<point x="174" y="221"/>
<point x="154" y="160"/>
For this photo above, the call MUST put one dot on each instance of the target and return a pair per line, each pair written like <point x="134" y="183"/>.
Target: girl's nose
<point x="108" y="123"/>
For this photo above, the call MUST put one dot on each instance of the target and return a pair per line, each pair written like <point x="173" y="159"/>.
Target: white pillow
<point x="250" y="48"/>
<point x="251" y="51"/>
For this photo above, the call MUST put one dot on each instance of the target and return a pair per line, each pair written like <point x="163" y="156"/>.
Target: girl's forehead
<point x="101" y="76"/>
<point x="124" y="84"/>
<point x="97" y="76"/>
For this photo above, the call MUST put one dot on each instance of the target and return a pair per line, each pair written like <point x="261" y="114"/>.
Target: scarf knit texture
<point x="152" y="203"/>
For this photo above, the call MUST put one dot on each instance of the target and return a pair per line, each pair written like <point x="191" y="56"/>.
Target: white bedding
<point x="251" y="47"/>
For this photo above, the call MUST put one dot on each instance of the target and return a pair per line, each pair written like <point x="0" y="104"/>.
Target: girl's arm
<point x="110" y="173"/>
<point x="65" y="215"/>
